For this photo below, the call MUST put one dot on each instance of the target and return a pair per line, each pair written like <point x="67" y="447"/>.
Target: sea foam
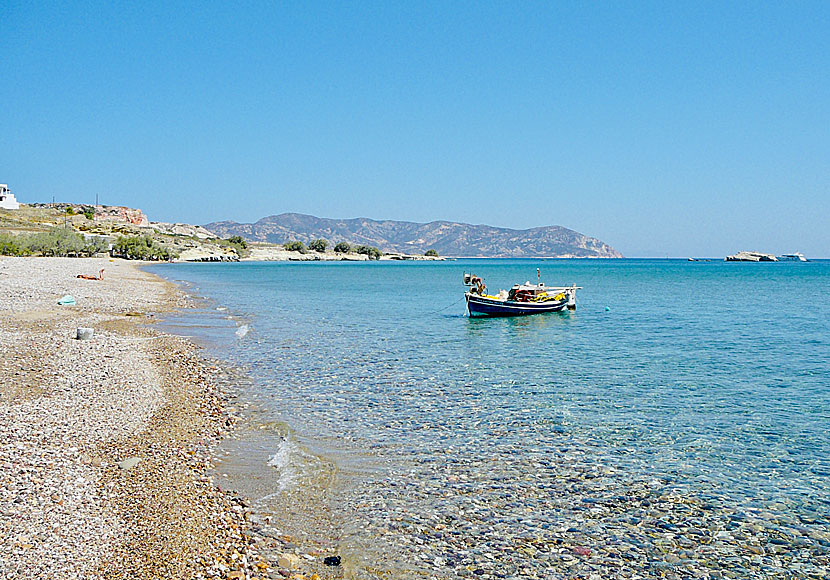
<point x="285" y="461"/>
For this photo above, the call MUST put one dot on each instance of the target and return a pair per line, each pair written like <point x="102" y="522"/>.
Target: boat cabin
<point x="527" y="292"/>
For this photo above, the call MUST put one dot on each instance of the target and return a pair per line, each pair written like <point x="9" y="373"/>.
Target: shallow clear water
<point x="681" y="400"/>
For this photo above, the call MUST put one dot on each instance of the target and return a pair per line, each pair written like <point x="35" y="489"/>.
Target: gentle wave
<point x="286" y="461"/>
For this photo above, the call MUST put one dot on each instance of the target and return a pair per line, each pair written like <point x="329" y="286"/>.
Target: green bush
<point x="371" y="251"/>
<point x="11" y="245"/>
<point x="432" y="253"/>
<point x="141" y="248"/>
<point x="319" y="245"/>
<point x="238" y="241"/>
<point x="96" y="245"/>
<point x="342" y="248"/>
<point x="70" y="211"/>
<point x="237" y="244"/>
<point x="64" y="242"/>
<point x="294" y="246"/>
<point x="89" y="214"/>
<point x="56" y="242"/>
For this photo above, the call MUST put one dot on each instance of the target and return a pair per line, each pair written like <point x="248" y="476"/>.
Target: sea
<point x="674" y="425"/>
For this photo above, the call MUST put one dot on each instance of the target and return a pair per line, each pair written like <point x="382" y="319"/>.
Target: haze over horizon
<point x="682" y="129"/>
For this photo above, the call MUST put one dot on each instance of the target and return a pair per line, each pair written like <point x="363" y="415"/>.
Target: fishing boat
<point x="520" y="300"/>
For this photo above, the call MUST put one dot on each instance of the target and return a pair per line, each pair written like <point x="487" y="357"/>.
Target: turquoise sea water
<point x="675" y="424"/>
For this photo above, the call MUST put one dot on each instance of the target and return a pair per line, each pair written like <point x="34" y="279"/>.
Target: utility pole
<point x="96" y="199"/>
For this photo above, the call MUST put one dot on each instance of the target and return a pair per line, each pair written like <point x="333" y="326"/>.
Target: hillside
<point x="111" y="222"/>
<point x="447" y="238"/>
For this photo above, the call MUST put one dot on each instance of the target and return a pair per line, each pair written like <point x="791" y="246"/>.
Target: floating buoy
<point x="607" y="308"/>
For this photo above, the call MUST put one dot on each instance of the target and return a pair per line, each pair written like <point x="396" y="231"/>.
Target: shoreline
<point x="294" y="533"/>
<point x="107" y="446"/>
<point x="574" y="501"/>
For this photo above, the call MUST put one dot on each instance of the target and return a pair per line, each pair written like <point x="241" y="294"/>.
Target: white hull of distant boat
<point x="797" y="257"/>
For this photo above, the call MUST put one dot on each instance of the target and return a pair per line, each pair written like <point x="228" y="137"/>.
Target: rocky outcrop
<point x="100" y="213"/>
<point x="447" y="238"/>
<point x="182" y="230"/>
<point x="751" y="257"/>
<point x="273" y="253"/>
<point x="204" y="253"/>
<point x="121" y="214"/>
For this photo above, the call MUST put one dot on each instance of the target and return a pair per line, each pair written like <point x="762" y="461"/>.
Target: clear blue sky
<point x="687" y="129"/>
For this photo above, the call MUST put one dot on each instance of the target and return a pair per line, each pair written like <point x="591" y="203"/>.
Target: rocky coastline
<point x="107" y="444"/>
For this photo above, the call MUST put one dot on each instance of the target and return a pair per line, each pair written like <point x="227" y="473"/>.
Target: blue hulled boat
<point x="522" y="299"/>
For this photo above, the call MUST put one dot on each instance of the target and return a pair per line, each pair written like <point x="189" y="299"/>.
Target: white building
<point x="7" y="200"/>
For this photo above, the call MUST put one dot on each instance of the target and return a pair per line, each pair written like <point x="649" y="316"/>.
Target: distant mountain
<point x="447" y="238"/>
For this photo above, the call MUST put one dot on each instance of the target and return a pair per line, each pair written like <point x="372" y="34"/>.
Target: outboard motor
<point x="571" y="294"/>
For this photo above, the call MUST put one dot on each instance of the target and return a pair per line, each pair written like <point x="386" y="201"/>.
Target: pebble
<point x="289" y="561"/>
<point x="84" y="333"/>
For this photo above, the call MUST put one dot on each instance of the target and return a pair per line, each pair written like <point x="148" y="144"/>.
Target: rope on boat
<point x="446" y="307"/>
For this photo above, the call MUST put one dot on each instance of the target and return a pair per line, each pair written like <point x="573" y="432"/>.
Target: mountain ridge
<point x="446" y="237"/>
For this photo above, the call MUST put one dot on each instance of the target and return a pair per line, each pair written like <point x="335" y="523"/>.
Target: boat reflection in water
<point x="521" y="300"/>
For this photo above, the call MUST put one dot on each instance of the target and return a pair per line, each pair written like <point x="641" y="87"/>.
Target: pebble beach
<point x="106" y="444"/>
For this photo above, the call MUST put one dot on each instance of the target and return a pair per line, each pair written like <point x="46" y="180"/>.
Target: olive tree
<point x="319" y="245"/>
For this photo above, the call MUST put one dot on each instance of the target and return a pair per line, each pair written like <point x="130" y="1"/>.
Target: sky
<point x="662" y="128"/>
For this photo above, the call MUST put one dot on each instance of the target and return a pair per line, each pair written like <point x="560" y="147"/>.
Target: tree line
<point x="63" y="242"/>
<point x="320" y="245"/>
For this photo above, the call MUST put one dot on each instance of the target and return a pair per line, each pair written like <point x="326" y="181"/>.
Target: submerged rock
<point x="289" y="561"/>
<point x="332" y="561"/>
<point x="129" y="463"/>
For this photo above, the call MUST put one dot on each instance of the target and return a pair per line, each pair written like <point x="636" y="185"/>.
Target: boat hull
<point x="481" y="306"/>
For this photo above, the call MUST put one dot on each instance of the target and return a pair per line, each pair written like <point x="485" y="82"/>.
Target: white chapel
<point x="7" y="200"/>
